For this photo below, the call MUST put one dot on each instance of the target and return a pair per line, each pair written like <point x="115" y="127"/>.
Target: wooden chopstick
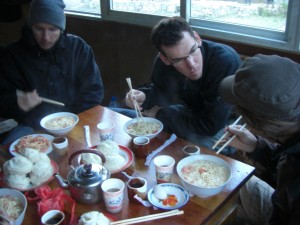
<point x="230" y="139"/>
<point x="148" y="217"/>
<point x="136" y="106"/>
<point x="21" y="93"/>
<point x="52" y="101"/>
<point x="226" y="133"/>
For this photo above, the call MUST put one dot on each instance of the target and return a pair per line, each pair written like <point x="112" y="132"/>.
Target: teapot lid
<point x="88" y="175"/>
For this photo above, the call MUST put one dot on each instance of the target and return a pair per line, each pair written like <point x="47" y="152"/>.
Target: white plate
<point x="181" y="194"/>
<point x="15" y="153"/>
<point x="125" y="152"/>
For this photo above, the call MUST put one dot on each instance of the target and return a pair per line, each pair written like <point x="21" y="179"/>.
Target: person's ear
<point x="164" y="59"/>
<point x="198" y="38"/>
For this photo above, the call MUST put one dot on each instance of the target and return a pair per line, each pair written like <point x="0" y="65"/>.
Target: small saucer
<point x="177" y="195"/>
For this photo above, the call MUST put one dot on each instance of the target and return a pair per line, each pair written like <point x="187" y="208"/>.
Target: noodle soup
<point x="147" y="127"/>
<point x="142" y="128"/>
<point x="204" y="173"/>
<point x="60" y="122"/>
<point x="10" y="206"/>
<point x="13" y="205"/>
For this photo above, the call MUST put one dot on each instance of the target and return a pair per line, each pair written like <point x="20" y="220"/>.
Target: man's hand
<point x="136" y="95"/>
<point x="152" y="112"/>
<point x="28" y="100"/>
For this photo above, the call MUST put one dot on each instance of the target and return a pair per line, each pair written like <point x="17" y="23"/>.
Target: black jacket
<point x="283" y="165"/>
<point x="193" y="108"/>
<point x="67" y="73"/>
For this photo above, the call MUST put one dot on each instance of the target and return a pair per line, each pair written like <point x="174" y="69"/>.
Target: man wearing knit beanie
<point x="47" y="20"/>
<point x="46" y="61"/>
<point x="266" y="92"/>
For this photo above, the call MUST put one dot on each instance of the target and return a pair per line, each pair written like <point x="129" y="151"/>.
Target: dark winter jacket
<point x="283" y="165"/>
<point x="197" y="109"/>
<point x="67" y="73"/>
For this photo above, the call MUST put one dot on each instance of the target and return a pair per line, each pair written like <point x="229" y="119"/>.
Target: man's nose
<point x="46" y="35"/>
<point x="189" y="60"/>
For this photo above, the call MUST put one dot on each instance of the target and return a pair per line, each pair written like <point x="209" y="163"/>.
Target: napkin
<point x="155" y="152"/>
<point x="87" y="136"/>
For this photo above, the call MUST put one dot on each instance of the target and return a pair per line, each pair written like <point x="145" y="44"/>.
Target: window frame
<point x="288" y="40"/>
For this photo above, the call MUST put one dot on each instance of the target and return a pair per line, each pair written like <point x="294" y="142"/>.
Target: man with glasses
<point x="47" y="62"/>
<point x="186" y="75"/>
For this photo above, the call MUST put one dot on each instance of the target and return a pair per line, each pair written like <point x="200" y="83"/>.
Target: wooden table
<point x="218" y="209"/>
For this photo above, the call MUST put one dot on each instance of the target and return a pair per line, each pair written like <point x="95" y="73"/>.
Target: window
<point x="265" y="14"/>
<point x="153" y="7"/>
<point x="268" y="23"/>
<point x="83" y="6"/>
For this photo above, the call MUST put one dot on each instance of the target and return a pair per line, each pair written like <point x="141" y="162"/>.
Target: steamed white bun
<point x="41" y="172"/>
<point x="32" y="154"/>
<point x="108" y="148"/>
<point x="93" y="218"/>
<point x="44" y="157"/>
<point x="19" y="165"/>
<point x="17" y="181"/>
<point x="87" y="158"/>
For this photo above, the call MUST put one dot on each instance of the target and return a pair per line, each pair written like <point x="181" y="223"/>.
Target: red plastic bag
<point x="53" y="199"/>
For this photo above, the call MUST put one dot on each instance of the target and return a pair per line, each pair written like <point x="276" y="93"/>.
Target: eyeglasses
<point x="179" y="61"/>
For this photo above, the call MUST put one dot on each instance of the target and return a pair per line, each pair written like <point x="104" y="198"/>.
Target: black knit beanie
<point x="47" y="11"/>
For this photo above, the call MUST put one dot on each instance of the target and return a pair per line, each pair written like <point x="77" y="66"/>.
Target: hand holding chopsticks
<point x="21" y="93"/>
<point x="148" y="217"/>
<point x="136" y="106"/>
<point x="230" y="139"/>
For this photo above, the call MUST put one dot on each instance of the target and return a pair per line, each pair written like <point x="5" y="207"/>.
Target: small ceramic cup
<point x="113" y="194"/>
<point x="106" y="131"/>
<point x="137" y="186"/>
<point x="191" y="150"/>
<point x="141" y="146"/>
<point x="53" y="217"/>
<point x="60" y="145"/>
<point x="164" y="166"/>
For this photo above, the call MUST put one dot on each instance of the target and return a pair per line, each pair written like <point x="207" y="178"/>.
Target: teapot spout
<point x="62" y="182"/>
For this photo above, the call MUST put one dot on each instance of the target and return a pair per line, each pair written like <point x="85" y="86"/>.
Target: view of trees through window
<point x="266" y="14"/>
<point x="83" y="6"/>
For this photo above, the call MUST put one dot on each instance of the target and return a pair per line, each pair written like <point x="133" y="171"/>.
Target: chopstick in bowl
<point x="21" y="93"/>
<point x="148" y="217"/>
<point x="230" y="139"/>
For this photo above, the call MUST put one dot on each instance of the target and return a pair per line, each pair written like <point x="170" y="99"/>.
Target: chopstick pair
<point x="21" y="93"/>
<point x="148" y="217"/>
<point x="230" y="139"/>
<point x="226" y="133"/>
<point x="136" y="106"/>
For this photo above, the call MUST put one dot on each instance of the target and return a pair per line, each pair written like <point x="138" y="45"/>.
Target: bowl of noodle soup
<point x="146" y="127"/>
<point x="203" y="175"/>
<point x="60" y="123"/>
<point x="13" y="205"/>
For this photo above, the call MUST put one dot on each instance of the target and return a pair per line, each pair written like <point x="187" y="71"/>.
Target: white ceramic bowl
<point x="62" y="131"/>
<point x="197" y="190"/>
<point x="21" y="198"/>
<point x="146" y="119"/>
